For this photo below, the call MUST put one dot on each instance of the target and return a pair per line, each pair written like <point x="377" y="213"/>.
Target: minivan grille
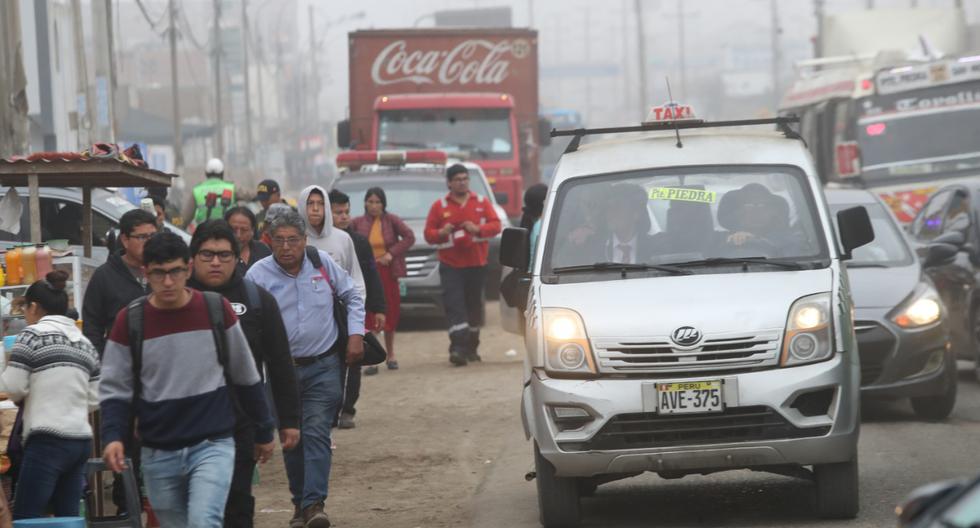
<point x="652" y="430"/>
<point x="717" y="352"/>
<point x="420" y="262"/>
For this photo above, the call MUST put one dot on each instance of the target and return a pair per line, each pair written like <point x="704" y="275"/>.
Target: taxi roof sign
<point x="670" y="113"/>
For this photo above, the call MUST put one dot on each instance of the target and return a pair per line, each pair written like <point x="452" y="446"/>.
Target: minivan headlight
<point x="808" y="331"/>
<point x="922" y="308"/>
<point x="567" y="349"/>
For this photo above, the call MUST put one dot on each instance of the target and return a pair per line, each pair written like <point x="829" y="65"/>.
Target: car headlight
<point x="808" y="331"/>
<point x="923" y="307"/>
<point x="567" y="349"/>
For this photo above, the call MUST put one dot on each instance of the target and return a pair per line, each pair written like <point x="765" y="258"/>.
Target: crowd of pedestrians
<point x="198" y="355"/>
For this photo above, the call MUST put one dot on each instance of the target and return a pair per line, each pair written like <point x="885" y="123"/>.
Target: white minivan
<point x="689" y="313"/>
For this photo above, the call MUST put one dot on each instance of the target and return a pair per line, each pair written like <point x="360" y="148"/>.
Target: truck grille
<point x="420" y="263"/>
<point x="651" y="430"/>
<point x="717" y="352"/>
<point x="876" y="345"/>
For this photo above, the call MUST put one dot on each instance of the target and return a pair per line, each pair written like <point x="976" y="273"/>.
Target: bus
<point x="902" y="130"/>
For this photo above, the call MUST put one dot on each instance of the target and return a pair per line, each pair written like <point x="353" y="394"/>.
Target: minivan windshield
<point x="700" y="219"/>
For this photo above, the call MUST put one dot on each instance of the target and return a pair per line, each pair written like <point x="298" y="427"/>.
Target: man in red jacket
<point x="459" y="225"/>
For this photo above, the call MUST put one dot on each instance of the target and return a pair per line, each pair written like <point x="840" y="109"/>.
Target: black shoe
<point x="457" y="359"/>
<point x="473" y="357"/>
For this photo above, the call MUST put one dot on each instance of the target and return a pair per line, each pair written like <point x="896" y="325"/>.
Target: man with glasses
<point x="114" y="285"/>
<point x="306" y="298"/>
<point x="214" y="257"/>
<point x="184" y="398"/>
<point x="460" y="225"/>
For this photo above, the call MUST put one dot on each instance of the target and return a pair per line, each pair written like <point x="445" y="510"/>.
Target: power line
<point x="146" y="15"/>
<point x="189" y="32"/>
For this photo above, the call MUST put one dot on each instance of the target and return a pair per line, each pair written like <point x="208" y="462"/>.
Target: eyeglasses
<point x="291" y="241"/>
<point x="140" y="238"/>
<point x="208" y="255"/>
<point x="158" y="275"/>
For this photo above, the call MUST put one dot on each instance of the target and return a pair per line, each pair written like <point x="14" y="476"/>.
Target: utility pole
<point x="111" y="43"/>
<point x="175" y="90"/>
<point x="624" y="35"/>
<point x="530" y="14"/>
<point x="776" y="52"/>
<point x="81" y="67"/>
<point x="49" y="138"/>
<point x="818" y="6"/>
<point x="641" y="58"/>
<point x="13" y="83"/>
<point x="314" y="78"/>
<point x="249" y="155"/>
<point x="869" y="4"/>
<point x="219" y="124"/>
<point x="680" y="48"/>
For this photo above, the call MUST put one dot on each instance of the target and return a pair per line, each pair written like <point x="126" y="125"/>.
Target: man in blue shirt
<point x="305" y="296"/>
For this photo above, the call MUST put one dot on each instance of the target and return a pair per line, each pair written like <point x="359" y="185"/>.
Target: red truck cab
<point x="478" y="127"/>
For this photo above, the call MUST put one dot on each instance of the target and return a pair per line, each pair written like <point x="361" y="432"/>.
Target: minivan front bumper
<point x="791" y="416"/>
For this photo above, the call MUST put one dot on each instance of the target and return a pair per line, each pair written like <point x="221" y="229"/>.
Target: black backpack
<point x="216" y="314"/>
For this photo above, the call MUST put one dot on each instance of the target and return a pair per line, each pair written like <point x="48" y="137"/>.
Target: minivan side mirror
<point x="343" y="134"/>
<point x="953" y="238"/>
<point x="855" y="229"/>
<point x="501" y="198"/>
<point x="515" y="248"/>
<point x="938" y="254"/>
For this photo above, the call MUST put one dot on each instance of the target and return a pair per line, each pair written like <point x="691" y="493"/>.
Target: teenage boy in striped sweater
<point x="184" y="408"/>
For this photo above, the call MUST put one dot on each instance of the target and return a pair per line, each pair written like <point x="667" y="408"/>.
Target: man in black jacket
<point x="214" y="258"/>
<point x="114" y="285"/>
<point x="120" y="280"/>
<point x="375" y="302"/>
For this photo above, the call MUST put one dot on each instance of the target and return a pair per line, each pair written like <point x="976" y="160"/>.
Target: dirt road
<point x="427" y="435"/>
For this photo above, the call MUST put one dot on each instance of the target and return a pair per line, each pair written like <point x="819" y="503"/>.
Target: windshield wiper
<point x="866" y="265"/>
<point x="745" y="261"/>
<point x="621" y="267"/>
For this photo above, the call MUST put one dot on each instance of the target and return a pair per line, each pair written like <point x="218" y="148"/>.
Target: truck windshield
<point x="481" y="133"/>
<point x="685" y="217"/>
<point x="920" y="133"/>
<point x="409" y="197"/>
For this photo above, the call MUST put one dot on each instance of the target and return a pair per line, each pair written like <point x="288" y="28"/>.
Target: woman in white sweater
<point x="54" y="371"/>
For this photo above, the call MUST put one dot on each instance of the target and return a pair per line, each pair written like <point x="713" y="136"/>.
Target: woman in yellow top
<point x="390" y="240"/>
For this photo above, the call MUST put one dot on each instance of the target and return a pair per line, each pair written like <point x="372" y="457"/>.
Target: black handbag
<point x="374" y="351"/>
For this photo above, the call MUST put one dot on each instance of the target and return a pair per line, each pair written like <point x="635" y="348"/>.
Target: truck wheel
<point x="837" y="489"/>
<point x="558" y="497"/>
<point x="938" y="407"/>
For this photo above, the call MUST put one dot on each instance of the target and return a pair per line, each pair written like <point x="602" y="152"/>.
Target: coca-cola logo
<point x="475" y="61"/>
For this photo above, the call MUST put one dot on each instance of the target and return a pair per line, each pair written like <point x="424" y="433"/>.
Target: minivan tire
<point x="837" y="489"/>
<point x="938" y="407"/>
<point x="558" y="497"/>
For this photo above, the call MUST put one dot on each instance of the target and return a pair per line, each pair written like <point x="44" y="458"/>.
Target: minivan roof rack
<point x="782" y="123"/>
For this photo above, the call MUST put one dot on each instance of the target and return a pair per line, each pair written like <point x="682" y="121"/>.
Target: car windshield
<point x="481" y="133"/>
<point x="408" y="197"/>
<point x="686" y="216"/>
<point x="892" y="133"/>
<point x="888" y="249"/>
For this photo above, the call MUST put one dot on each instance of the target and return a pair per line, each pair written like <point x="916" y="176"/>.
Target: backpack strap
<point x="314" y="256"/>
<point x="253" y="298"/>
<point x="216" y="313"/>
<point x="134" y="321"/>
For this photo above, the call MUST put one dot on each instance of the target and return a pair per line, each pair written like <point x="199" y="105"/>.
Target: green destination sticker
<point x="683" y="195"/>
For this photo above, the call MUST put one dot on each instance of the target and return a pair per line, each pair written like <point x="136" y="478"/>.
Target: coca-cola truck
<point x="470" y="92"/>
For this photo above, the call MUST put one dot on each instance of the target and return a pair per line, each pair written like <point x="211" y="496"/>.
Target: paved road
<point x="897" y="453"/>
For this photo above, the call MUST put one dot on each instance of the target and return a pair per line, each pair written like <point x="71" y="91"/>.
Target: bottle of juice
<point x="42" y="260"/>
<point x="28" y="264"/>
<point x="12" y="259"/>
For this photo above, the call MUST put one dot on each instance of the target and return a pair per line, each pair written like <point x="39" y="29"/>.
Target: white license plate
<point x="689" y="397"/>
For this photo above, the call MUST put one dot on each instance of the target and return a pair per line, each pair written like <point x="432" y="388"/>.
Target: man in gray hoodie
<point x="320" y="233"/>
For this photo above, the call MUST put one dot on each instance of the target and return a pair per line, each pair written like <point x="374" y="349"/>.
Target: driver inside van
<point x="754" y="216"/>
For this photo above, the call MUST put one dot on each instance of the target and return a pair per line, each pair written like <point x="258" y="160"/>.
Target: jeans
<point x="188" y="487"/>
<point x="52" y="473"/>
<point x="308" y="464"/>
<point x="462" y="295"/>
<point x="240" y="508"/>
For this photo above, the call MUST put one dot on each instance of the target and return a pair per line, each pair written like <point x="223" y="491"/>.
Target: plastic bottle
<point x="3" y="278"/>
<point x="42" y="260"/>
<point x="28" y="264"/>
<point x="14" y="274"/>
